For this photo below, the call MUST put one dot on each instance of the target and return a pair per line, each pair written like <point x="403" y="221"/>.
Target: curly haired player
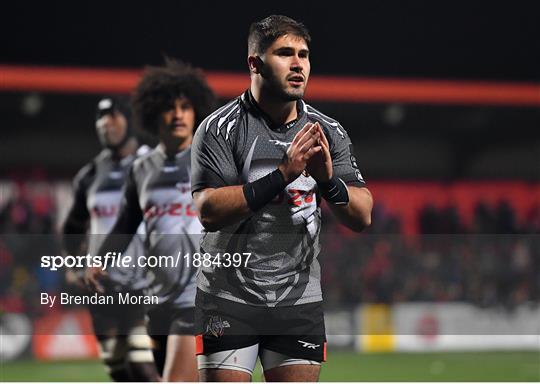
<point x="169" y="102"/>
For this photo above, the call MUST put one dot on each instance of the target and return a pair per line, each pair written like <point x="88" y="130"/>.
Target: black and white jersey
<point x="238" y="144"/>
<point x="98" y="190"/>
<point x="158" y="192"/>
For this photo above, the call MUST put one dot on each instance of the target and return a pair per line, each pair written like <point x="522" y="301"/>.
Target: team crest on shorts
<point x="216" y="326"/>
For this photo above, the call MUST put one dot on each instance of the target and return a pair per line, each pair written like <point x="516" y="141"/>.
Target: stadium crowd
<point x="493" y="262"/>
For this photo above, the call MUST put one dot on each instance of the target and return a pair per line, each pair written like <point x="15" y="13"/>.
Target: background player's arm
<point x="76" y="223"/>
<point x="118" y="239"/>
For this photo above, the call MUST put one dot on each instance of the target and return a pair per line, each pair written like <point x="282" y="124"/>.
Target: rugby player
<point x="125" y="348"/>
<point x="261" y="166"/>
<point x="169" y="101"/>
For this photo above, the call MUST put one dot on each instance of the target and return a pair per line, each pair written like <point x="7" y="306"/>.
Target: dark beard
<point x="274" y="88"/>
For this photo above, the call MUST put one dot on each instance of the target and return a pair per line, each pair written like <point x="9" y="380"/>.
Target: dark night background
<point x="475" y="40"/>
<point x="434" y="39"/>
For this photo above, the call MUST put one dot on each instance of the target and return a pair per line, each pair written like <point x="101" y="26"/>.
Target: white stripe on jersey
<point x="229" y="126"/>
<point x="222" y="119"/>
<point x="216" y="114"/>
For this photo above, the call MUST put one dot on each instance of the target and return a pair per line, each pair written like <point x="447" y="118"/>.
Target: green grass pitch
<point x="341" y="366"/>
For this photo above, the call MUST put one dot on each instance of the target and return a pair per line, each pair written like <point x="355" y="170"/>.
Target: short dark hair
<point x="161" y="86"/>
<point x="264" y="32"/>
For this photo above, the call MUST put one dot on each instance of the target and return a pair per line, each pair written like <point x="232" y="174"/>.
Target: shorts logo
<point x="216" y="326"/>
<point x="305" y="344"/>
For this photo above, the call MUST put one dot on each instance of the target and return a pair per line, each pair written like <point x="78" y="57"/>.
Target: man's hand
<point x="300" y="151"/>
<point x="319" y="165"/>
<point x="92" y="277"/>
<point x="74" y="280"/>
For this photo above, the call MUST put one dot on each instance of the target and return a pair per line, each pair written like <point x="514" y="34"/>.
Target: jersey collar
<point x="252" y="105"/>
<point x="160" y="148"/>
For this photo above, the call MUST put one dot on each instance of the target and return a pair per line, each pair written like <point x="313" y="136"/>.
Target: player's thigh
<point x="104" y="323"/>
<point x="158" y="324"/>
<point x="180" y="361"/>
<point x="131" y="319"/>
<point x="234" y="364"/>
<point x="227" y="343"/>
<point x="159" y="351"/>
<point x="223" y="375"/>
<point x="280" y="367"/>
<point x="298" y="373"/>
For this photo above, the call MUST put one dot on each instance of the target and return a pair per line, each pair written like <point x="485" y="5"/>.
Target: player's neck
<point x="172" y="147"/>
<point x="127" y="149"/>
<point x="280" y="112"/>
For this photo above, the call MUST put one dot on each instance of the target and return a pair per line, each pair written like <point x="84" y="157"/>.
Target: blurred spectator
<point x="494" y="262"/>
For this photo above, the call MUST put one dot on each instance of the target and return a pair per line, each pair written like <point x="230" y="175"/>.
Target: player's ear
<point x="255" y="64"/>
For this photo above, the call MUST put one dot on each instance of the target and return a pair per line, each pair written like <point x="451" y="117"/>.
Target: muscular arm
<point x="219" y="207"/>
<point x="357" y="214"/>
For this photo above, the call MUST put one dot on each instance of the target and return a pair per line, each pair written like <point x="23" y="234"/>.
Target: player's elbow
<point x="362" y="207"/>
<point x="365" y="221"/>
<point x="205" y="211"/>
<point x="361" y="223"/>
<point x="209" y="224"/>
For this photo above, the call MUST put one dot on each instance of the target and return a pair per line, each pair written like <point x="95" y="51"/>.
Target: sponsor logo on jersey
<point x="281" y="144"/>
<point x="116" y="174"/>
<point x="170" y="168"/>
<point x="172" y="209"/>
<point x="104" y="210"/>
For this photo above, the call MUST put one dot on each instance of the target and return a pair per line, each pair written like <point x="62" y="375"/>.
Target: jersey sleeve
<point x="344" y="162"/>
<point x="212" y="156"/>
<point x="129" y="218"/>
<point x="76" y="223"/>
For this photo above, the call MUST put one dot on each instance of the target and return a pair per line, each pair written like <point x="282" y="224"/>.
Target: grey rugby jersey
<point x="238" y="144"/>
<point x="158" y="193"/>
<point x="97" y="195"/>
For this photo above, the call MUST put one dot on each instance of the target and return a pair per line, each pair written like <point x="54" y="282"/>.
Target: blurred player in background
<point x="169" y="102"/>
<point x="261" y="165"/>
<point x="124" y="345"/>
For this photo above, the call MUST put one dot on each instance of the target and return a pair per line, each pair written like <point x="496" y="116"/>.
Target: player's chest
<point x="105" y="192"/>
<point x="263" y="152"/>
<point x="166" y="192"/>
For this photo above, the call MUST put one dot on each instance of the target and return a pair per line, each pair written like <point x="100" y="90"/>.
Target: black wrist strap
<point x="334" y="191"/>
<point x="260" y="192"/>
